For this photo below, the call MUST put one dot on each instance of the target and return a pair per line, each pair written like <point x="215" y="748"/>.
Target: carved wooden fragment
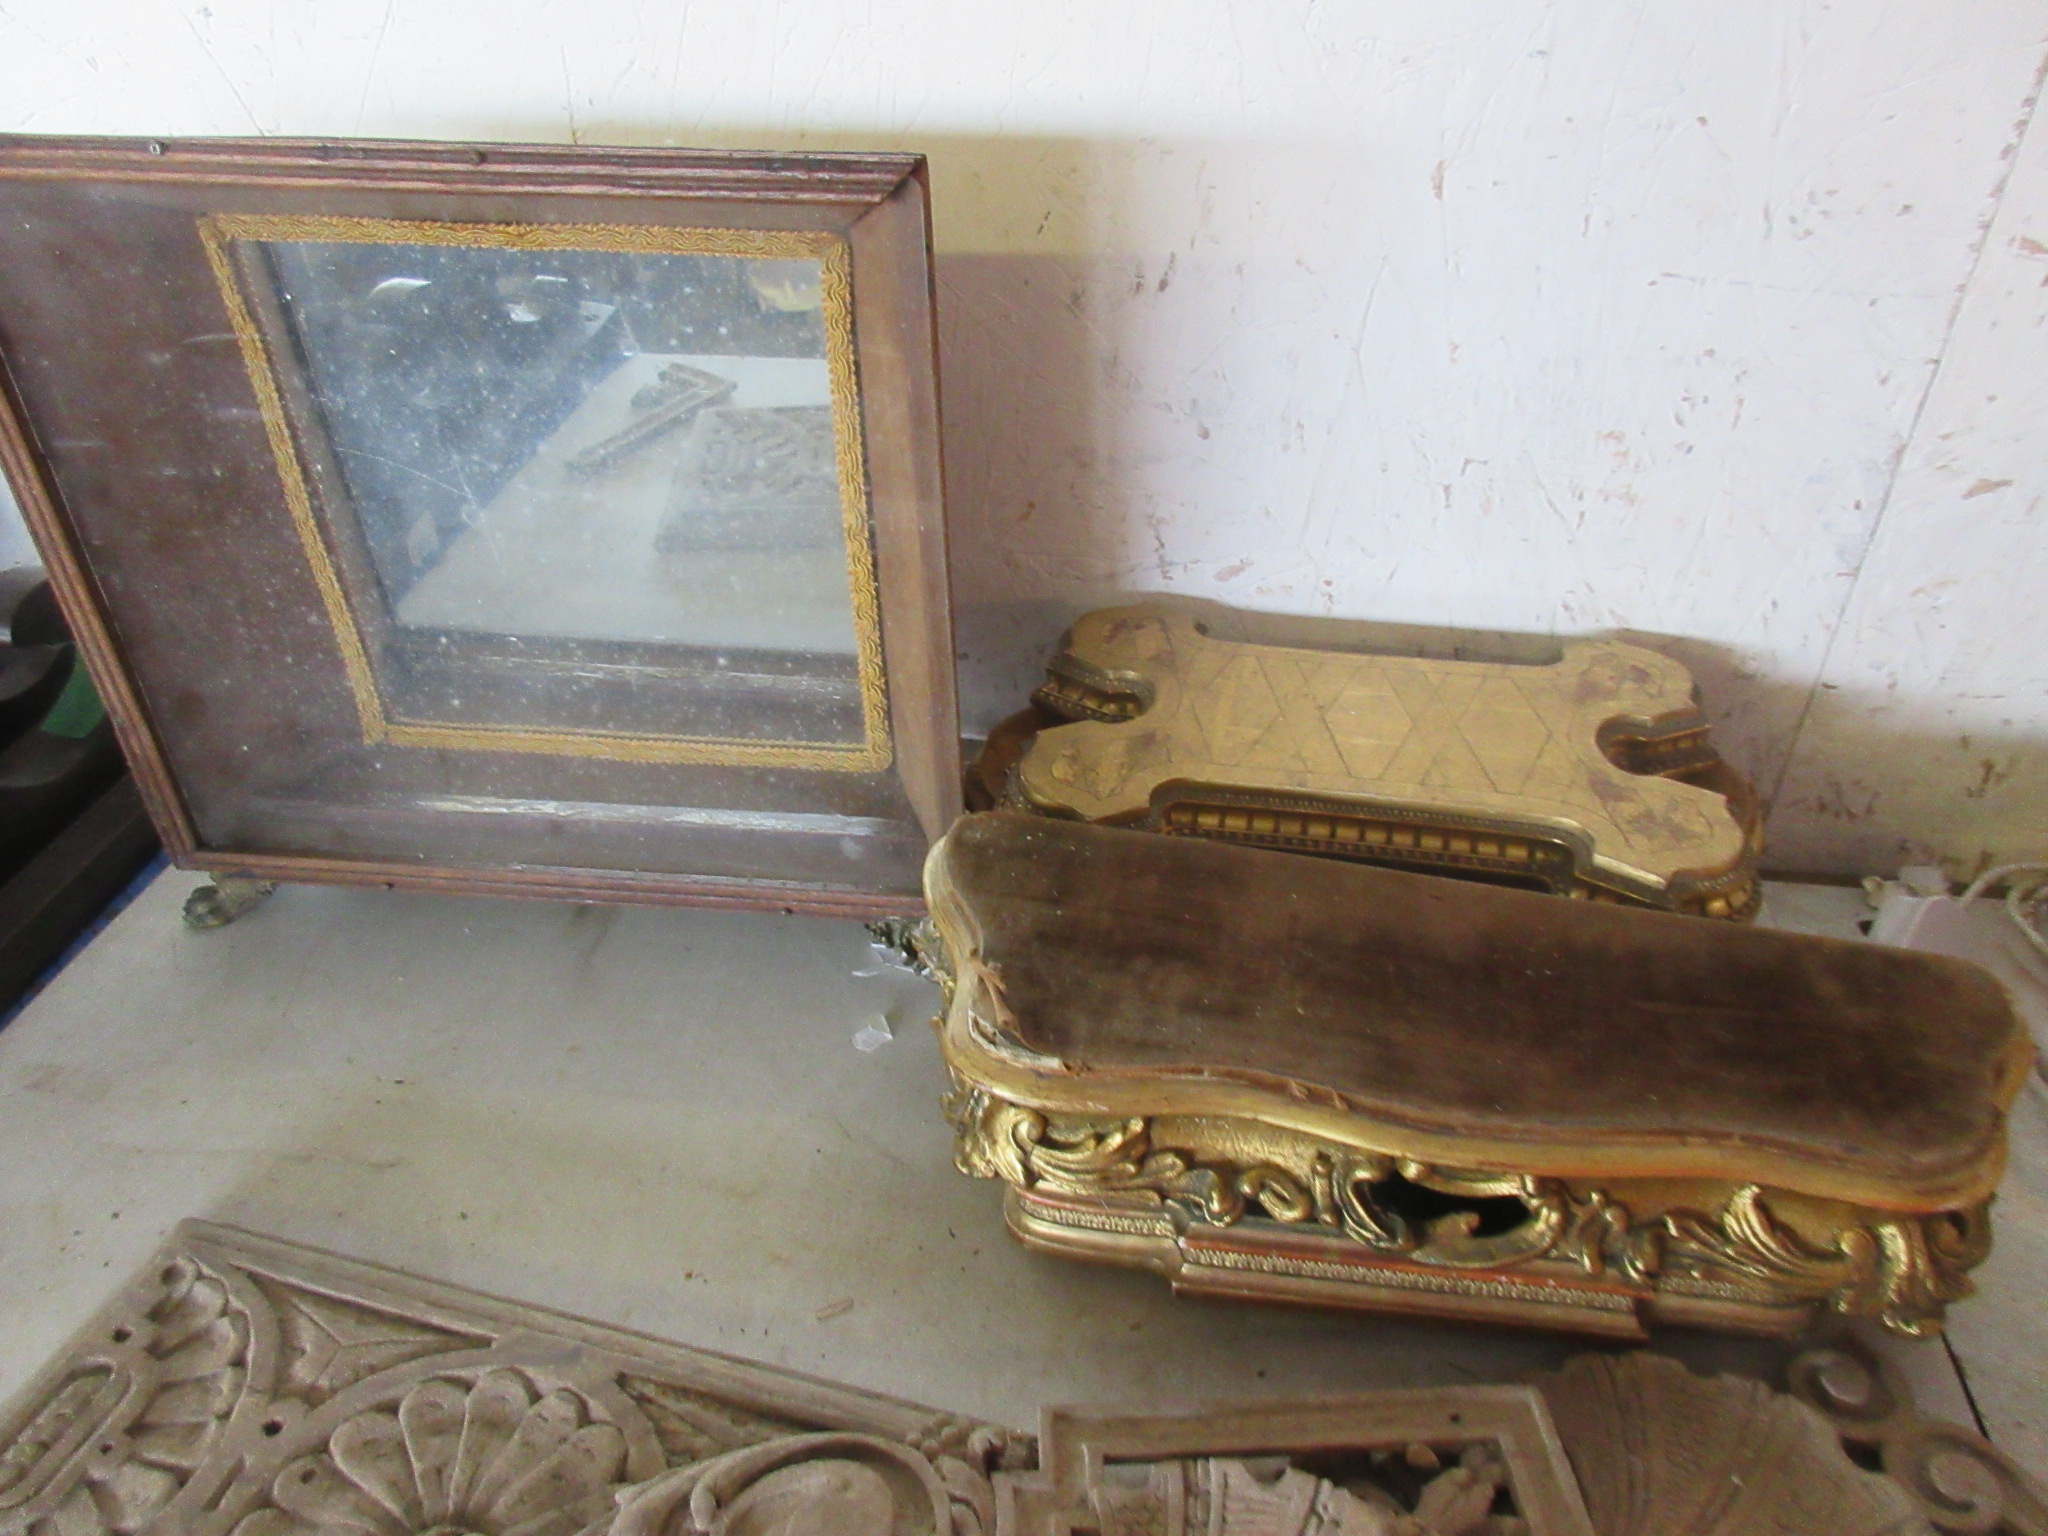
<point x="1662" y="1452"/>
<point x="1960" y="1481"/>
<point x="247" y="1387"/>
<point x="1466" y="1461"/>
<point x="1593" y="776"/>
<point x="243" y="1386"/>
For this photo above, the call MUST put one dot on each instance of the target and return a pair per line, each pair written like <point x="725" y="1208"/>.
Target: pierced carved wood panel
<point x="243" y="1386"/>
<point x="247" y="1386"/>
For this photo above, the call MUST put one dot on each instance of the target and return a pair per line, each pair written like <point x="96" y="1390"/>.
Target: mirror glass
<point x="584" y="490"/>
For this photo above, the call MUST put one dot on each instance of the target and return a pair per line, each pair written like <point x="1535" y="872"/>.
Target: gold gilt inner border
<point x="871" y="754"/>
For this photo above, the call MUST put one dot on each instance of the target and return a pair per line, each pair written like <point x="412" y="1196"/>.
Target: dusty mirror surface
<point x="515" y="518"/>
<point x="569" y="489"/>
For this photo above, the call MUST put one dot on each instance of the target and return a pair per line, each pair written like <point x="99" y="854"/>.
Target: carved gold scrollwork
<point x="1600" y="1237"/>
<point x="1746" y="1240"/>
<point x="1278" y="1194"/>
<point x="1924" y="1264"/>
<point x="1342" y="1190"/>
<point x="1358" y="1201"/>
<point x="1902" y="1270"/>
<point x="1074" y="1156"/>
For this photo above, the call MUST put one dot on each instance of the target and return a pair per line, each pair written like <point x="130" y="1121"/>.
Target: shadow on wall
<point x="1033" y="324"/>
<point x="1037" y="315"/>
<point x="1852" y="766"/>
<point x="1042" y="300"/>
<point x="1973" y="797"/>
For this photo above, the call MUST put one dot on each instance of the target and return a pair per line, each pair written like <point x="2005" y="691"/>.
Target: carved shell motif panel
<point x="245" y="1387"/>
<point x="1662" y="1452"/>
<point x="251" y="1388"/>
<point x="489" y="1455"/>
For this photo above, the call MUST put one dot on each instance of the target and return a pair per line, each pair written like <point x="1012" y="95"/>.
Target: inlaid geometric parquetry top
<point x="1500" y="743"/>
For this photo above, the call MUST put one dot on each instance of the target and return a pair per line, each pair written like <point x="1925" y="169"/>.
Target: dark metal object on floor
<point x="72" y="827"/>
<point x="55" y="896"/>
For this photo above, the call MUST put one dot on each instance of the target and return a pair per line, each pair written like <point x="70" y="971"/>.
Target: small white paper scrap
<point x="883" y="960"/>
<point x="873" y="1035"/>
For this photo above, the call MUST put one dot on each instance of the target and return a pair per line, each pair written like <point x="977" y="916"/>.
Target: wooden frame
<point x="102" y="449"/>
<point x="1078" y="1445"/>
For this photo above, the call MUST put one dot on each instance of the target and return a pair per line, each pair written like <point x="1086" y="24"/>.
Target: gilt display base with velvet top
<point x="1305" y="1080"/>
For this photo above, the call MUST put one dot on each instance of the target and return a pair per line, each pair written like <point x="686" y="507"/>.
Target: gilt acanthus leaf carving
<point x="1902" y="1270"/>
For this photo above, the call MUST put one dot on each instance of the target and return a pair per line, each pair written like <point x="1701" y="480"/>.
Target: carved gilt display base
<point x="1231" y="1208"/>
<point x="1309" y="1081"/>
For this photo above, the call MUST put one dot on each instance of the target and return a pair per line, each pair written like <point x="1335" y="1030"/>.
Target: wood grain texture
<point x="898" y="338"/>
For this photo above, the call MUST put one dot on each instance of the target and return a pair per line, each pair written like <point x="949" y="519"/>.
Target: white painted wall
<point x="1929" y="718"/>
<point x="15" y="548"/>
<point x="1547" y="315"/>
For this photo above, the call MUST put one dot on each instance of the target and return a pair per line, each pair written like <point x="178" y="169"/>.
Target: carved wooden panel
<point x="1474" y="1461"/>
<point x="243" y="1386"/>
<point x="247" y="1386"/>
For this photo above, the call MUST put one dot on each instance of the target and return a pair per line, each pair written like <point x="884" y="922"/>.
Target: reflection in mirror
<point x="582" y="492"/>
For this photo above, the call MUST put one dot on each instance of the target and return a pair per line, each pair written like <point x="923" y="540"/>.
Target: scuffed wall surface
<point x="1928" y="731"/>
<point x="1529" y="315"/>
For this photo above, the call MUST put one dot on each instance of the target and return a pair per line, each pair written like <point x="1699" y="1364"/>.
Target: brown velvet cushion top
<point x="1441" y="1003"/>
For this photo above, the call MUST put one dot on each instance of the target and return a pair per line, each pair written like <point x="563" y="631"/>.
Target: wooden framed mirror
<point x="521" y="519"/>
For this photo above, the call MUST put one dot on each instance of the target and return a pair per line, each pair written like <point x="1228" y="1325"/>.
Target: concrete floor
<point x="660" y="1119"/>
